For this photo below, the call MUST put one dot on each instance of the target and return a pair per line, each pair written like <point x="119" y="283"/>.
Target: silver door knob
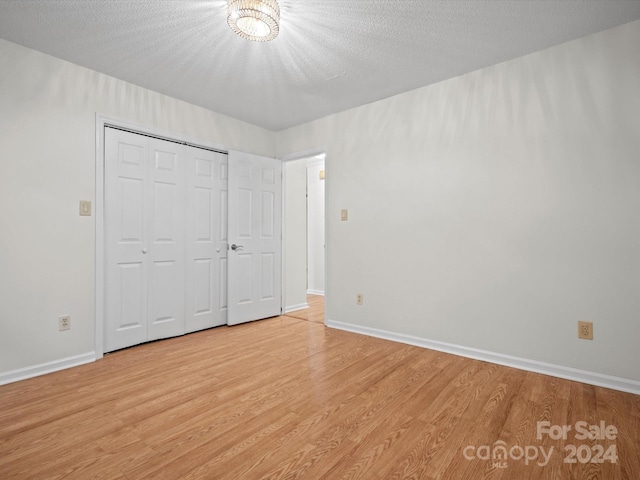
<point x="235" y="247"/>
<point x="144" y="251"/>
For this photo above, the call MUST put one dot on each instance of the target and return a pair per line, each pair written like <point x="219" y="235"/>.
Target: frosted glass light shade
<point x="256" y="20"/>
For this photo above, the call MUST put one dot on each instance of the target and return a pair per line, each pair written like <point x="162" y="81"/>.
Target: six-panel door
<point x="255" y="226"/>
<point x="126" y="231"/>
<point x="165" y="239"/>
<point x="206" y="226"/>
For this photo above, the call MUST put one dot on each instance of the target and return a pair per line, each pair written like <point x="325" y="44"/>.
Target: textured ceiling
<point x="331" y="55"/>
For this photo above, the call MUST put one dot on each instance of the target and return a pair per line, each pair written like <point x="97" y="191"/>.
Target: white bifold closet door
<point x="206" y="237"/>
<point x="165" y="239"/>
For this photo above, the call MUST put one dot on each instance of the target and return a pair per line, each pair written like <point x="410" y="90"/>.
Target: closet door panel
<point x="126" y="223"/>
<point x="203" y="251"/>
<point x="166" y="250"/>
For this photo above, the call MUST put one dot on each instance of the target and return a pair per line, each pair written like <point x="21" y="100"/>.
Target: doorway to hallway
<point x="315" y="312"/>
<point x="304" y="235"/>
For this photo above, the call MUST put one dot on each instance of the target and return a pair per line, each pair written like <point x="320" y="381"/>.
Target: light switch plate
<point x="344" y="215"/>
<point x="85" y="208"/>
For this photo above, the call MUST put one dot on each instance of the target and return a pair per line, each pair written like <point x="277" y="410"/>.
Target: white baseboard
<point x="42" y="368"/>
<point x="315" y="292"/>
<point x="569" y="373"/>
<point x="293" y="308"/>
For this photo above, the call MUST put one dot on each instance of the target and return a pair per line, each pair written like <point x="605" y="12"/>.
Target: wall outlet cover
<point x="64" y="322"/>
<point x="585" y="330"/>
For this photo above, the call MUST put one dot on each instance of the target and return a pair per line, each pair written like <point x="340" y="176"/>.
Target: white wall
<point x="494" y="210"/>
<point x="47" y="148"/>
<point x="315" y="228"/>
<point x="295" y="235"/>
<point x="491" y="211"/>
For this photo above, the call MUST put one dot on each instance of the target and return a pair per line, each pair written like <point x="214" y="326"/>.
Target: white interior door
<point x="126" y="219"/>
<point x="165" y="244"/>
<point x="165" y="239"/>
<point x="206" y="217"/>
<point x="144" y="239"/>
<point x="255" y="243"/>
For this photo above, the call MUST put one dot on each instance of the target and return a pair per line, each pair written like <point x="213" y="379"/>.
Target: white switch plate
<point x="344" y="215"/>
<point x="85" y="208"/>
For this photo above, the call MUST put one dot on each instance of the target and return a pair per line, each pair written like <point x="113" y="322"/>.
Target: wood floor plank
<point x="314" y="312"/>
<point x="377" y="452"/>
<point x="289" y="398"/>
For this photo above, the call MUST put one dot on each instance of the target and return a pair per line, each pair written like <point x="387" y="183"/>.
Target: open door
<point x="255" y="238"/>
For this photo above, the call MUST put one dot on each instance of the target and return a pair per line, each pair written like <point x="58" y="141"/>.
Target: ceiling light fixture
<point x="257" y="20"/>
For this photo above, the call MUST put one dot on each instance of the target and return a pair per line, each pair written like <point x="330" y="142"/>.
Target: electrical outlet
<point x="359" y="299"/>
<point x="64" y="322"/>
<point x="585" y="330"/>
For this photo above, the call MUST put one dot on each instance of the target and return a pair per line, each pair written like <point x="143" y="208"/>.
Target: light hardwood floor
<point x="315" y="312"/>
<point x="290" y="398"/>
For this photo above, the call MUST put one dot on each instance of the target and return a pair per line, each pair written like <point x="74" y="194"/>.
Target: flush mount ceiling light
<point x="256" y="20"/>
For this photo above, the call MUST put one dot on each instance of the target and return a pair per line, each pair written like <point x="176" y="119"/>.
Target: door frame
<point x="290" y="157"/>
<point x="103" y="121"/>
<point x="313" y="162"/>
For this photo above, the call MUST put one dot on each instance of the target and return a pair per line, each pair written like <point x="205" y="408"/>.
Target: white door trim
<point x="290" y="157"/>
<point x="101" y="122"/>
